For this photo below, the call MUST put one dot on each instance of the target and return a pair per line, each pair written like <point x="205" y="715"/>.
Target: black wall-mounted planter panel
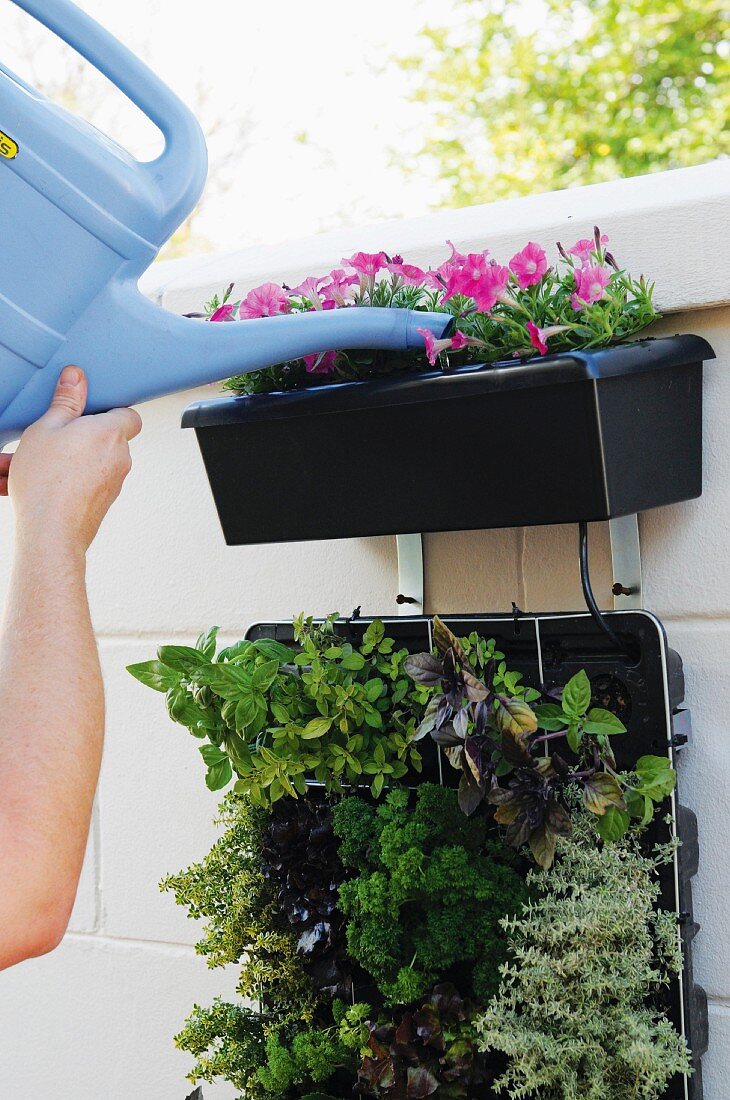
<point x="581" y="436"/>
<point x="646" y="691"/>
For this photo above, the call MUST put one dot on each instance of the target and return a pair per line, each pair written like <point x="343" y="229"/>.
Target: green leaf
<point x="574" y="736"/>
<point x="264" y="675"/>
<point x="212" y="754"/>
<point x="155" y="675"/>
<point x="374" y="719"/>
<point x="600" y="721"/>
<point x="612" y="824"/>
<point x="236" y="651"/>
<point x="374" y="689"/>
<point x="219" y="775"/>
<point x="374" y="634"/>
<point x="251" y="713"/>
<point x="275" y="651"/>
<point x="227" y="681"/>
<point x="353" y="662"/>
<point x="577" y="695"/>
<point x="656" y="775"/>
<point x="206" y="642"/>
<point x="639" y="805"/>
<point x="280" y="712"/>
<point x="318" y="727"/>
<point x="182" y="658"/>
<point x="377" y="785"/>
<point x="550" y="717"/>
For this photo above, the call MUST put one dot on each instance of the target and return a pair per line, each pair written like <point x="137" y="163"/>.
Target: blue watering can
<point x="81" y="219"/>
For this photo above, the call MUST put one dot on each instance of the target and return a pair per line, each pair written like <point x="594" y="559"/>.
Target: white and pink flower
<point x="529" y="265"/>
<point x="267" y="300"/>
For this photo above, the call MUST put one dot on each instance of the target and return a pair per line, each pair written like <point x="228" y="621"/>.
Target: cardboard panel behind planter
<point x="646" y="691"/>
<point x="582" y="436"/>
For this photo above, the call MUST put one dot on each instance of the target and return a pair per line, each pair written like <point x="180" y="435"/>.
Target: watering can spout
<point x="132" y="350"/>
<point x="82" y="219"/>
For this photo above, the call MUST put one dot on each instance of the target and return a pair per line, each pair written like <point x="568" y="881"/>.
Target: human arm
<point x="66" y="473"/>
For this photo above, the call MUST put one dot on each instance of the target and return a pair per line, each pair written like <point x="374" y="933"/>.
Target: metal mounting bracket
<point x="410" y="574"/>
<point x="626" y="563"/>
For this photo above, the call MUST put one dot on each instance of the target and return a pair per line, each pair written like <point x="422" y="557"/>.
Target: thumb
<point x="69" y="398"/>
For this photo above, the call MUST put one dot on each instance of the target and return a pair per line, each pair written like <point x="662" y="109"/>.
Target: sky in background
<point x="303" y="94"/>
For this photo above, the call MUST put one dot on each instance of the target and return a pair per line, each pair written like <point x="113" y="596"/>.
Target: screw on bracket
<point x="619" y="589"/>
<point x="405" y="599"/>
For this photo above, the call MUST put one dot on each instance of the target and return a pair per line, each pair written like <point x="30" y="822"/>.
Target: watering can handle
<point x="179" y="172"/>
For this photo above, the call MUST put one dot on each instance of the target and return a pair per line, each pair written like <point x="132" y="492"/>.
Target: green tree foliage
<point x="428" y="895"/>
<point x="526" y="100"/>
<point x="576" y="1011"/>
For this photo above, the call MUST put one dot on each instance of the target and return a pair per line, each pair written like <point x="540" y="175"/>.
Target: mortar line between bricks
<point x="105" y="937"/>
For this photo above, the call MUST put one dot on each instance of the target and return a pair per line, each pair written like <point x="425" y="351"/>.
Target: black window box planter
<point x="588" y="435"/>
<point x="644" y="686"/>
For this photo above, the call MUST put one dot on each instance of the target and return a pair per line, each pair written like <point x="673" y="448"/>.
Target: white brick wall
<point x="95" y="1019"/>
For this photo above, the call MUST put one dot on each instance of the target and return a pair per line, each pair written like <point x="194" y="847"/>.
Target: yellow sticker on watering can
<point x="8" y="147"/>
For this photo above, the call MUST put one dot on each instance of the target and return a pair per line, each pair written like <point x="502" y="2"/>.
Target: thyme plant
<point x="577" y="1009"/>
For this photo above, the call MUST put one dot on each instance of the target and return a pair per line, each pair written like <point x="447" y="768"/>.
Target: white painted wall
<point x="95" y="1019"/>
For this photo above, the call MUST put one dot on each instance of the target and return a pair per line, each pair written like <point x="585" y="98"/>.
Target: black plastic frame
<point x="583" y="436"/>
<point x="548" y="649"/>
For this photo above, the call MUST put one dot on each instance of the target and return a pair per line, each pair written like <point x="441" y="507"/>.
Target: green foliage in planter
<point x="574" y="1011"/>
<point x="228" y="890"/>
<point x="227" y="1041"/>
<point x="428" y="893"/>
<point x="427" y="1049"/>
<point x="311" y="1058"/>
<point x="244" y="925"/>
<point x="483" y="719"/>
<point x="278" y="718"/>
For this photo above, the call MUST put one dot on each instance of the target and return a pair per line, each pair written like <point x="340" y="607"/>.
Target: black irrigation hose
<point x="585" y="579"/>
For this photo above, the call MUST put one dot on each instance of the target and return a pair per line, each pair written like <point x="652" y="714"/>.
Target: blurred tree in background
<point x="538" y="95"/>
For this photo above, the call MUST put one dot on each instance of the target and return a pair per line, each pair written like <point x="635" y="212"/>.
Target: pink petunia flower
<point x="529" y="265"/>
<point x="338" y="291"/>
<point x="309" y="289"/>
<point x="367" y="264"/>
<point x="491" y="287"/>
<point x="584" y="248"/>
<point x="408" y="274"/>
<point x="223" y="313"/>
<point x="591" y="281"/>
<point x="465" y="278"/>
<point x="435" y="347"/>
<point x="440" y="276"/>
<point x="538" y="338"/>
<point x="322" y="362"/>
<point x="267" y="300"/>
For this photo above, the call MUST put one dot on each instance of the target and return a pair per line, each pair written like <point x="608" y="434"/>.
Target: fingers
<point x="69" y="398"/>
<point x="4" y="471"/>
<point x="127" y="421"/>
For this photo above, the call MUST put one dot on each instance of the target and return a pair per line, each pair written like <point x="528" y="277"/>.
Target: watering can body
<point x="81" y="220"/>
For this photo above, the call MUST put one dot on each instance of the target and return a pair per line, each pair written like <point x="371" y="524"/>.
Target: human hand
<point x="68" y="470"/>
